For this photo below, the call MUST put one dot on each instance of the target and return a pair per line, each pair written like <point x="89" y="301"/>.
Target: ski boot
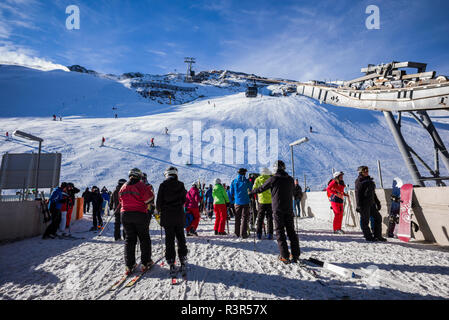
<point x="294" y="259"/>
<point x="284" y="260"/>
<point x="147" y="266"/>
<point x="259" y="236"/>
<point x="129" y="270"/>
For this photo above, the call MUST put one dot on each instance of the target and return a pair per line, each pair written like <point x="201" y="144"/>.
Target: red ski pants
<point x="338" y="212"/>
<point x="220" y="217"/>
<point x="69" y="216"/>
<point x="196" y="219"/>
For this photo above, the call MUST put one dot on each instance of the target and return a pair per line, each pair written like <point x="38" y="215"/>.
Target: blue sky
<point x="301" y="40"/>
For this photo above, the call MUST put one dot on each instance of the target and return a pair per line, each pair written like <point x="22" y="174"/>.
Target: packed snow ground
<point x="223" y="268"/>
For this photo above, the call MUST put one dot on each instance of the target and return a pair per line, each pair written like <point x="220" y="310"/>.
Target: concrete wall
<point x="430" y="211"/>
<point x="24" y="219"/>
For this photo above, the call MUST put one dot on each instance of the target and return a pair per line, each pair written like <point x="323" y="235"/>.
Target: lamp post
<point x="297" y="142"/>
<point x="28" y="136"/>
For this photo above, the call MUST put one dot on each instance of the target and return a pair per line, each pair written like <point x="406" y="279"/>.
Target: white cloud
<point x="14" y="55"/>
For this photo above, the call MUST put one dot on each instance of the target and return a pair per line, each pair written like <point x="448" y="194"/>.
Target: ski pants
<point x="196" y="219"/>
<point x="265" y="211"/>
<point x="241" y="220"/>
<point x="284" y="223"/>
<point x="86" y="206"/>
<point x="63" y="221"/>
<point x="367" y="213"/>
<point x="69" y="216"/>
<point x="338" y="214"/>
<point x="220" y="217"/>
<point x="172" y="233"/>
<point x="54" y="224"/>
<point x="96" y="215"/>
<point x="117" y="225"/>
<point x="137" y="226"/>
<point x="231" y="210"/>
<point x="297" y="207"/>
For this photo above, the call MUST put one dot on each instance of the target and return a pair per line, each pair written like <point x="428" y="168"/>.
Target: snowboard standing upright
<point x="393" y="219"/>
<point x="405" y="218"/>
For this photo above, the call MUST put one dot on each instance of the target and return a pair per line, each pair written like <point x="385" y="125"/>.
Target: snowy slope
<point x="342" y="138"/>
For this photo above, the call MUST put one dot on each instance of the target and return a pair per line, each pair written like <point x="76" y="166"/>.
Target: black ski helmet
<point x="361" y="169"/>
<point x="242" y="171"/>
<point x="121" y="181"/>
<point x="279" y="165"/>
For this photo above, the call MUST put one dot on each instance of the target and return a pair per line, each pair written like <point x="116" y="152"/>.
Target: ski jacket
<point x="220" y="195"/>
<point x="365" y="194"/>
<point x="297" y="192"/>
<point x="106" y="196"/>
<point x="336" y="191"/>
<point x="115" y="199"/>
<point x="170" y="201"/>
<point x="231" y="199"/>
<point x="208" y="196"/>
<point x="86" y="195"/>
<point x="264" y="197"/>
<point x="282" y="186"/>
<point x="239" y="190"/>
<point x="97" y="200"/>
<point x="57" y="198"/>
<point x="192" y="198"/>
<point x="135" y="196"/>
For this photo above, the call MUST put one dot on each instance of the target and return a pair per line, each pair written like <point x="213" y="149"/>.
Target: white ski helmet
<point x="217" y="181"/>
<point x="135" y="172"/>
<point x="265" y="171"/>
<point x="170" y="171"/>
<point x="337" y="174"/>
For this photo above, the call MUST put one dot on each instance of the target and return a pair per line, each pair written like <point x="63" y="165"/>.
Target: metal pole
<point x="380" y="174"/>
<point x="37" y="170"/>
<point x="403" y="148"/>
<point x="293" y="164"/>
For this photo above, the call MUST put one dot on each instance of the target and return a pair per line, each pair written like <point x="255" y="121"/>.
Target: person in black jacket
<point x="115" y="207"/>
<point x="297" y="196"/>
<point x="97" y="202"/>
<point x="87" y="199"/>
<point x="282" y="187"/>
<point x="170" y="201"/>
<point x="368" y="205"/>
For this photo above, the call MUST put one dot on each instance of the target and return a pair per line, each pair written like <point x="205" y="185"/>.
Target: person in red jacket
<point x="192" y="205"/>
<point x="134" y="197"/>
<point x="336" y="194"/>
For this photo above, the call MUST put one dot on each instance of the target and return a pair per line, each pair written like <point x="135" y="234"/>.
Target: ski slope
<point x="224" y="268"/>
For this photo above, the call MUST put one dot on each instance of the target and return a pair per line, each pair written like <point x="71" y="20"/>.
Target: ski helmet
<point x="170" y="171"/>
<point x="121" y="181"/>
<point x="337" y="174"/>
<point x="242" y="171"/>
<point x="361" y="169"/>
<point x="278" y="165"/>
<point x="136" y="173"/>
<point x="217" y="181"/>
<point x="265" y="171"/>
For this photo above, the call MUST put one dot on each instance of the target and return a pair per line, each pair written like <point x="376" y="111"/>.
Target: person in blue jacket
<point x="209" y="201"/>
<point x="239" y="192"/>
<point x="231" y="210"/>
<point x="57" y="198"/>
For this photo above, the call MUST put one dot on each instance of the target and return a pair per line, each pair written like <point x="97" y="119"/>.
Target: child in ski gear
<point x="170" y="204"/>
<point x="239" y="191"/>
<point x="282" y="186"/>
<point x="134" y="197"/>
<point x="368" y="205"/>
<point x="264" y="200"/>
<point x="55" y="203"/>
<point x="221" y="200"/>
<point x="192" y="206"/>
<point x="336" y="194"/>
<point x="115" y="207"/>
<point x="297" y="196"/>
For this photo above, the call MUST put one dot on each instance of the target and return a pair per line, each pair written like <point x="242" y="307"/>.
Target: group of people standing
<point x="100" y="201"/>
<point x="367" y="204"/>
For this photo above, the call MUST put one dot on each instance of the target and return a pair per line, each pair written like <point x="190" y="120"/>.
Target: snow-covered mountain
<point x="342" y="138"/>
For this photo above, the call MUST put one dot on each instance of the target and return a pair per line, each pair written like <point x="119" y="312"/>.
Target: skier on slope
<point x="192" y="205"/>
<point x="265" y="209"/>
<point x="239" y="191"/>
<point x="57" y="198"/>
<point x="336" y="192"/>
<point x="103" y="140"/>
<point x="170" y="201"/>
<point x="282" y="186"/>
<point x="115" y="207"/>
<point x="368" y="205"/>
<point x="221" y="200"/>
<point x="134" y="197"/>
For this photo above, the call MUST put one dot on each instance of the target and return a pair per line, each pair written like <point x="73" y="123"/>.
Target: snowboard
<point x="405" y="214"/>
<point x="395" y="207"/>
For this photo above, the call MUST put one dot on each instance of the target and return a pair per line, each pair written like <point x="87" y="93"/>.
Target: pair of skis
<point x="133" y="280"/>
